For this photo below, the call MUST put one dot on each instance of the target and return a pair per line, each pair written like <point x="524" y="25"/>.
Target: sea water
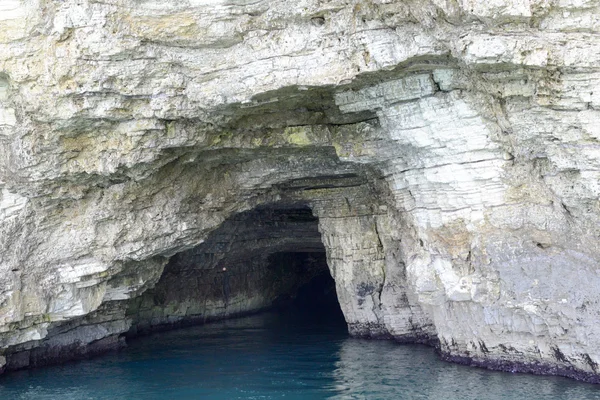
<point x="277" y="356"/>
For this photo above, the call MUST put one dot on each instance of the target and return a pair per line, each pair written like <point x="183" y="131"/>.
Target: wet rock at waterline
<point x="171" y="162"/>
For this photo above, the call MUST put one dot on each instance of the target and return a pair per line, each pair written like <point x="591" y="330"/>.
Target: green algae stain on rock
<point x="296" y="135"/>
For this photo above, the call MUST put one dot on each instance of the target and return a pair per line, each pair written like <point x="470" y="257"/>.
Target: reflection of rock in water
<point x="364" y="366"/>
<point x="387" y="370"/>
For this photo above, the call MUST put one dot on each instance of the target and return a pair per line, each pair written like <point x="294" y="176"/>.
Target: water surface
<point x="278" y="356"/>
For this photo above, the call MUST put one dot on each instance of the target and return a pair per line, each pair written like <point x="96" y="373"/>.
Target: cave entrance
<point x="268" y="258"/>
<point x="313" y="295"/>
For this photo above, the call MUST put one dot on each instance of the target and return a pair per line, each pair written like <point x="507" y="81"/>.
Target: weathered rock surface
<point x="448" y="149"/>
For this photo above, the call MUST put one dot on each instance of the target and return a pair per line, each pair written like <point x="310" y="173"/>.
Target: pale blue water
<point x="274" y="357"/>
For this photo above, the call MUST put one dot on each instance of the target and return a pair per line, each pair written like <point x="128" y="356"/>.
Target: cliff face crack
<point x="381" y="249"/>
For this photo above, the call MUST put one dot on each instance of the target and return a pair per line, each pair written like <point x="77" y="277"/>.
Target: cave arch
<point x="256" y="260"/>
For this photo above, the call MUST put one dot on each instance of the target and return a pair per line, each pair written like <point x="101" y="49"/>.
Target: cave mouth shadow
<point x="314" y="300"/>
<point x="270" y="258"/>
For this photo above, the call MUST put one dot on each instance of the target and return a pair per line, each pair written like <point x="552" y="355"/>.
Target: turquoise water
<point x="275" y="356"/>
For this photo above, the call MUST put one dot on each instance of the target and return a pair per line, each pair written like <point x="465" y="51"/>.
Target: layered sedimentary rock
<point x="448" y="152"/>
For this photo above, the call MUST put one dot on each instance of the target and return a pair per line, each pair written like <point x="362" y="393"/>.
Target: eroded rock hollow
<point x="165" y="163"/>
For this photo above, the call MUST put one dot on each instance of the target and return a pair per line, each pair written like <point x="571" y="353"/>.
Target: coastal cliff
<point x="166" y="162"/>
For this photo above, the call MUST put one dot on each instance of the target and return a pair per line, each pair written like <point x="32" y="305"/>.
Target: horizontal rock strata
<point x="444" y="155"/>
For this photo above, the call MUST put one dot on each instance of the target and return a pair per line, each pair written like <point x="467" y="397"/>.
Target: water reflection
<point x="386" y="370"/>
<point x="273" y="357"/>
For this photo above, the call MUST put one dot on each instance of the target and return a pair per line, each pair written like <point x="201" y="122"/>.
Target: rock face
<point x="448" y="152"/>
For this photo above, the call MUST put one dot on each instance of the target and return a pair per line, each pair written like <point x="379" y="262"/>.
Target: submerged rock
<point x="443" y="155"/>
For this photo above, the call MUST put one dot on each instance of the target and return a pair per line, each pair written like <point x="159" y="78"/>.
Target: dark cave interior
<point x="268" y="258"/>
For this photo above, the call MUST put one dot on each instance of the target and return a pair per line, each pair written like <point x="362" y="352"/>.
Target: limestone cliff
<point x="448" y="152"/>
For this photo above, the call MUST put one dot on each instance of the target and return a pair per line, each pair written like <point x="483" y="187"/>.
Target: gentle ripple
<point x="272" y="356"/>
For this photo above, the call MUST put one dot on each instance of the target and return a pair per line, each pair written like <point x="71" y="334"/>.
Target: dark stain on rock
<point x="483" y="347"/>
<point x="365" y="289"/>
<point x="590" y="362"/>
<point x="559" y="354"/>
<point x="404" y="300"/>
